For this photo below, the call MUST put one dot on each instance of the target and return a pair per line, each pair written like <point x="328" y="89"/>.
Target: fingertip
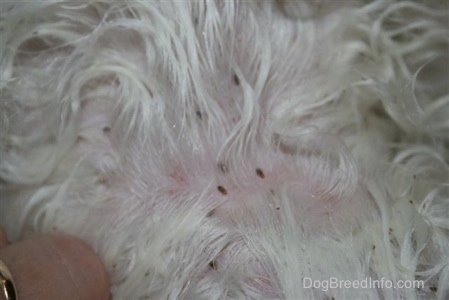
<point x="84" y="266"/>
<point x="56" y="267"/>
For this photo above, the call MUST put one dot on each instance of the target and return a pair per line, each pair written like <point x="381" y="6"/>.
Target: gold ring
<point x="7" y="283"/>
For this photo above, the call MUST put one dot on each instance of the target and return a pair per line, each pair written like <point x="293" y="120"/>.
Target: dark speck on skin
<point x="212" y="265"/>
<point x="223" y="168"/>
<point x="236" y="79"/>
<point x="222" y="190"/>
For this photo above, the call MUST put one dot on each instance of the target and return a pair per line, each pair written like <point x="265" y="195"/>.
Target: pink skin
<point x="229" y="191"/>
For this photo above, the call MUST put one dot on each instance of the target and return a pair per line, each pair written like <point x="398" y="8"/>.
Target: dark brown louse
<point x="213" y="265"/>
<point x="222" y="190"/>
<point x="260" y="173"/>
<point x="236" y="79"/>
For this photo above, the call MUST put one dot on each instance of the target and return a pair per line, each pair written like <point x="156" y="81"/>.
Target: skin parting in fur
<point x="230" y="149"/>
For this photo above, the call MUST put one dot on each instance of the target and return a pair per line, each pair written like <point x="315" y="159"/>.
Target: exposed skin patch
<point x="178" y="176"/>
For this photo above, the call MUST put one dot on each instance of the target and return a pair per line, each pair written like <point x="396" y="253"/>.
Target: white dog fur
<point x="231" y="149"/>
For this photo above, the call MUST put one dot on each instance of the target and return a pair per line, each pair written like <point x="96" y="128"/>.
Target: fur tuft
<point x="230" y="149"/>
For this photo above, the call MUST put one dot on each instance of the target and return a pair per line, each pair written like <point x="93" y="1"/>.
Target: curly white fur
<point x="230" y="149"/>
